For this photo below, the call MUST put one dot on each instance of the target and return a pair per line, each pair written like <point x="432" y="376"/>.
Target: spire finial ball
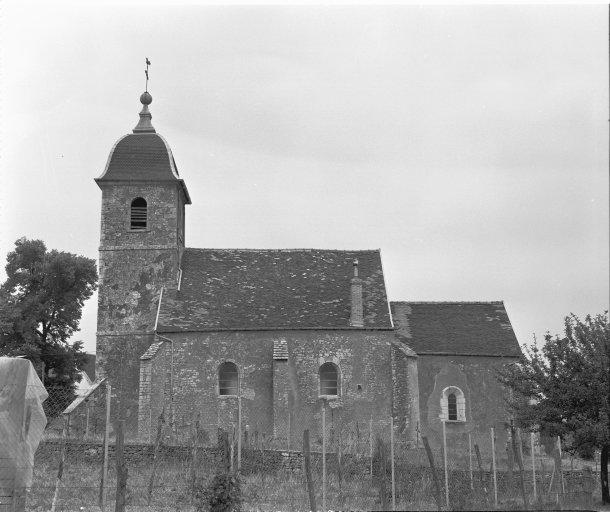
<point x="146" y="98"/>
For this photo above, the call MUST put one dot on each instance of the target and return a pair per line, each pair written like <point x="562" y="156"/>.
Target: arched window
<point x="452" y="407"/>
<point x="138" y="214"/>
<point x="228" y="379"/>
<point x="453" y="404"/>
<point x="329" y="380"/>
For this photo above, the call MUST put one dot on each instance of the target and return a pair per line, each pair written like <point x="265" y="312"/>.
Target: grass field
<point x="277" y="488"/>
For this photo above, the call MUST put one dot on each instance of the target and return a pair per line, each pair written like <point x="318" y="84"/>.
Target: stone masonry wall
<point x="485" y="405"/>
<point x="133" y="267"/>
<point x="405" y="392"/>
<point x="363" y="358"/>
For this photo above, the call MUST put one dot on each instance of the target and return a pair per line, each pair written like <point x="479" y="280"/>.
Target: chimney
<point x="356" y="318"/>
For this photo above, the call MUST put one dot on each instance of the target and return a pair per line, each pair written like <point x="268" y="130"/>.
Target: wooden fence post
<point x="563" y="489"/>
<point x="519" y="463"/>
<point x="493" y="465"/>
<point x="155" y="460"/>
<point x="437" y="495"/>
<point x="470" y="461"/>
<point x="324" y="456"/>
<point x="102" y="498"/>
<point x="239" y="430"/>
<point x="232" y="450"/>
<point x="307" y="460"/>
<point x="121" y="469"/>
<point x="445" y="464"/>
<point x="481" y="471"/>
<point x="371" y="446"/>
<point x="392" y="462"/>
<point x="533" y="465"/>
<point x="62" y="459"/>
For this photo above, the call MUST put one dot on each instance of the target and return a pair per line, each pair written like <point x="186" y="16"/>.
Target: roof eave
<point x="172" y="329"/>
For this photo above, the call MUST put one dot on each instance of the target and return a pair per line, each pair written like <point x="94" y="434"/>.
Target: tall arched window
<point x="138" y="214"/>
<point x="228" y="379"/>
<point x="329" y="380"/>
<point x="453" y="404"/>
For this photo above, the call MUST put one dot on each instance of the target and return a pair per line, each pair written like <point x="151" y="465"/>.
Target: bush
<point x="222" y="494"/>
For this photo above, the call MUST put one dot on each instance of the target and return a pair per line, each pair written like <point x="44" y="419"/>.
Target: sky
<point x="468" y="143"/>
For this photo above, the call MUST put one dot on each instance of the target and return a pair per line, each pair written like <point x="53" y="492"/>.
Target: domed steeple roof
<point x="143" y="155"/>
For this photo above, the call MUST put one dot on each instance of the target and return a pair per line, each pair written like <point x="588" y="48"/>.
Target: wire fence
<point x="86" y="463"/>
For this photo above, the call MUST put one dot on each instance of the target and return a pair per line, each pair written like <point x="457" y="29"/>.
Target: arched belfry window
<point x="329" y="380"/>
<point x="228" y="379"/>
<point x="453" y="404"/>
<point x="139" y="213"/>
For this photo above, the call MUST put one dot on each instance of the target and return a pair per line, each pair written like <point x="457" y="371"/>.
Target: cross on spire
<point x="146" y="73"/>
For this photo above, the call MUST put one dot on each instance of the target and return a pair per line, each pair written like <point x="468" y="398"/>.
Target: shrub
<point x="222" y="494"/>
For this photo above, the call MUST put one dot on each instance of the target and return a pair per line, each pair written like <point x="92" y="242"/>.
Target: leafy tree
<point x="563" y="388"/>
<point x="41" y="305"/>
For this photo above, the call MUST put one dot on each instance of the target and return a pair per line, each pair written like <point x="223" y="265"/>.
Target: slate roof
<point x="459" y="328"/>
<point x="241" y="289"/>
<point x="141" y="156"/>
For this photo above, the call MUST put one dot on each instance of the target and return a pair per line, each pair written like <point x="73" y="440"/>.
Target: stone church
<point x="271" y="335"/>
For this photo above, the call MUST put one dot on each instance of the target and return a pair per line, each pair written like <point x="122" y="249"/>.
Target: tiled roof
<point x="141" y="156"/>
<point x="273" y="289"/>
<point x="463" y="328"/>
<point x="144" y="156"/>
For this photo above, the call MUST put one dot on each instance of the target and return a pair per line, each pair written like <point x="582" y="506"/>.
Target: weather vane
<point x="146" y="72"/>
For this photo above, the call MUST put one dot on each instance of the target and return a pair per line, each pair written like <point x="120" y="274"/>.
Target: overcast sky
<point x="468" y="143"/>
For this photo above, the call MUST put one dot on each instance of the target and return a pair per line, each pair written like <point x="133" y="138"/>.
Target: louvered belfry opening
<point x="329" y="379"/>
<point x="138" y="214"/>
<point x="452" y="407"/>
<point x="228" y="379"/>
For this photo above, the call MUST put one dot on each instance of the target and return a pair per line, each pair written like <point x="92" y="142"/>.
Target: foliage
<point x="41" y="305"/>
<point x="222" y="494"/>
<point x="563" y="388"/>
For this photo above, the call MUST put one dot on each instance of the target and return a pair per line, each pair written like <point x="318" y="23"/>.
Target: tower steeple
<point x="141" y="245"/>
<point x="144" y="124"/>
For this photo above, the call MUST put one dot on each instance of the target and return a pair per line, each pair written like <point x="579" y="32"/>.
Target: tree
<point x="563" y="388"/>
<point x="41" y="305"/>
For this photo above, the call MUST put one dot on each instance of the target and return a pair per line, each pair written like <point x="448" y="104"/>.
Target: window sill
<point x="454" y="421"/>
<point x="223" y="397"/>
<point x="147" y="230"/>
<point x="329" y="397"/>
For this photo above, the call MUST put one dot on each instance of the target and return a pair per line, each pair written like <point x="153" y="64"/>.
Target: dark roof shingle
<point x="273" y="289"/>
<point x="142" y="156"/>
<point x="461" y="328"/>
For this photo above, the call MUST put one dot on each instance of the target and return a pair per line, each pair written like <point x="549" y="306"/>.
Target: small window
<point x="228" y="379"/>
<point x="138" y="214"/>
<point x="453" y="404"/>
<point x="452" y="407"/>
<point x="329" y="380"/>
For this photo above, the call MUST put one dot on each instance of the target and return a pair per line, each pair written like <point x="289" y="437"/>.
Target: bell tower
<point x="141" y="244"/>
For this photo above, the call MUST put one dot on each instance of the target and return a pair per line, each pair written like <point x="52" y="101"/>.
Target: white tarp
<point x="22" y="421"/>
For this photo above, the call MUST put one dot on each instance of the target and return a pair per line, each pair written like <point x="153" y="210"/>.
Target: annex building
<point x="272" y="334"/>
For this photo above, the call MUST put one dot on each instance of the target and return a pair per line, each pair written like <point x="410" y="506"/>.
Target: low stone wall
<point x="253" y="460"/>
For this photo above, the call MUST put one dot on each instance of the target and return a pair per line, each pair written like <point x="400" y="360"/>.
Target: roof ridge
<point x="250" y="249"/>
<point x="446" y="302"/>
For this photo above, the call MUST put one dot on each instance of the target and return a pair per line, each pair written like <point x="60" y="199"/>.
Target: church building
<point x="268" y="337"/>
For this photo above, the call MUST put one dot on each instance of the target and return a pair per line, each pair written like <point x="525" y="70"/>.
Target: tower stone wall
<point x="133" y="267"/>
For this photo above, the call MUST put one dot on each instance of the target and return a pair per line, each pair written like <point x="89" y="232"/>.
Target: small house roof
<point x="456" y="328"/>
